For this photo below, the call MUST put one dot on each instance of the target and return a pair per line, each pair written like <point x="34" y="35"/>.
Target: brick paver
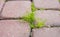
<point x="51" y="17"/>
<point x="15" y="9"/>
<point x="14" y="28"/>
<point x="46" y="32"/>
<point x="47" y="4"/>
<point x="18" y="0"/>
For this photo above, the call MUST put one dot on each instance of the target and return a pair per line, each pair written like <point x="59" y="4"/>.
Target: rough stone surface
<point x="47" y="3"/>
<point x="46" y="32"/>
<point x="1" y="4"/>
<point x="15" y="9"/>
<point x="14" y="28"/>
<point x="51" y="17"/>
<point x="18" y="0"/>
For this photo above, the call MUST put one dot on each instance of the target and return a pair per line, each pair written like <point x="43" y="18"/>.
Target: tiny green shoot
<point x="40" y="23"/>
<point x="33" y="7"/>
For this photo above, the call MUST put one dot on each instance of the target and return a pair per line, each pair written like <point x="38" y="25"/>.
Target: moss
<point x="33" y="7"/>
<point x="31" y="18"/>
<point x="40" y="23"/>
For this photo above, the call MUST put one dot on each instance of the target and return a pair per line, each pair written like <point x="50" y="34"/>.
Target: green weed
<point x="31" y="18"/>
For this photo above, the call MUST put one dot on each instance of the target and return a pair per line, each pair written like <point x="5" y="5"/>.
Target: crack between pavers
<point x="18" y="0"/>
<point x="10" y="18"/>
<point x="51" y="9"/>
<point x="30" y="33"/>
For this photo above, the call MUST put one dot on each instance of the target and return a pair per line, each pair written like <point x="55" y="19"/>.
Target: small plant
<point x="31" y="18"/>
<point x="40" y="23"/>
<point x="33" y="7"/>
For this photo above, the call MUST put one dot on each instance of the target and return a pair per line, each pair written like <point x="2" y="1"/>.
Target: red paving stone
<point x="47" y="4"/>
<point x="14" y="28"/>
<point x="46" y="32"/>
<point x="51" y="17"/>
<point x="15" y="9"/>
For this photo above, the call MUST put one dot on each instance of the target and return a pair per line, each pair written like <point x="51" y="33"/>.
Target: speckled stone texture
<point x="15" y="9"/>
<point x="46" y="32"/>
<point x="18" y="0"/>
<point x="47" y="4"/>
<point x="51" y="17"/>
<point x="14" y="28"/>
<point x="1" y="4"/>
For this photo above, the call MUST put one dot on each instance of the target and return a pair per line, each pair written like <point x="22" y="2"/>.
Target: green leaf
<point x="30" y="18"/>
